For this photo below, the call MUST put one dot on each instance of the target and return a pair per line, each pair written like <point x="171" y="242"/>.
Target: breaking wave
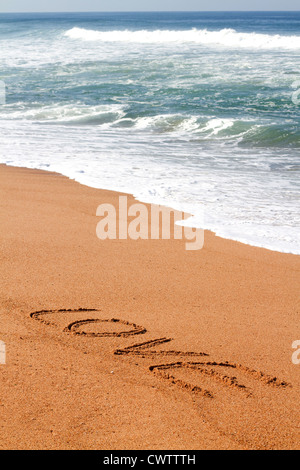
<point x="225" y="37"/>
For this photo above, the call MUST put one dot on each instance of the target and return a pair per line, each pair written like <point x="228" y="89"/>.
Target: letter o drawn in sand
<point x="76" y="328"/>
<point x="122" y="328"/>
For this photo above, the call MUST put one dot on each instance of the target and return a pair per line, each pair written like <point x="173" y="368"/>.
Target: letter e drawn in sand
<point x="218" y="372"/>
<point x="2" y="353"/>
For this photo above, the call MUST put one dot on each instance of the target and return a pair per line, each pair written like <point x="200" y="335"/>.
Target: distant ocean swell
<point x="225" y="37"/>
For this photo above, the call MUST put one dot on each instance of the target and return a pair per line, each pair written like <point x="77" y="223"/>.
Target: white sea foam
<point x="168" y="123"/>
<point x="214" y="126"/>
<point x="69" y="113"/>
<point x="225" y="37"/>
<point x="113" y="115"/>
<point x="158" y="170"/>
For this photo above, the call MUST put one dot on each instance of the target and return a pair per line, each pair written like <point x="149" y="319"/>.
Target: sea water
<point x="197" y="111"/>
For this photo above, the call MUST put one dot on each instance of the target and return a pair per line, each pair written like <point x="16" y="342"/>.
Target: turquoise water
<point x="199" y="111"/>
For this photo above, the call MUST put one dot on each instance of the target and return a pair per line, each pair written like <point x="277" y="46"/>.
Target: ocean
<point x="197" y="111"/>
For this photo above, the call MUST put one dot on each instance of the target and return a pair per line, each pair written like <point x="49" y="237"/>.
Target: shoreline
<point x="230" y="307"/>
<point x="145" y="203"/>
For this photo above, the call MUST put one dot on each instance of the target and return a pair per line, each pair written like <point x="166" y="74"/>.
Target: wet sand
<point x="214" y="328"/>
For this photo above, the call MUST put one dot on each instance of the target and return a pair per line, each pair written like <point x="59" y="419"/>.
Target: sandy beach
<point x="212" y="330"/>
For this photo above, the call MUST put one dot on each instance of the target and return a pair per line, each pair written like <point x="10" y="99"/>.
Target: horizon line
<point x="155" y="11"/>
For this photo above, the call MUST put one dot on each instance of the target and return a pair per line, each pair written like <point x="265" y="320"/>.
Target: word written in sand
<point x="156" y="222"/>
<point x="296" y="354"/>
<point x="2" y="353"/>
<point x="218" y="373"/>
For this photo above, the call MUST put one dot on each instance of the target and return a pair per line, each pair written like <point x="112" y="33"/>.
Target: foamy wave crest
<point x="215" y="126"/>
<point x="71" y="113"/>
<point x="166" y="123"/>
<point x="224" y="37"/>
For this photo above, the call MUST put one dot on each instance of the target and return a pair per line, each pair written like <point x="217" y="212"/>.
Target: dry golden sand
<point x="237" y="304"/>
